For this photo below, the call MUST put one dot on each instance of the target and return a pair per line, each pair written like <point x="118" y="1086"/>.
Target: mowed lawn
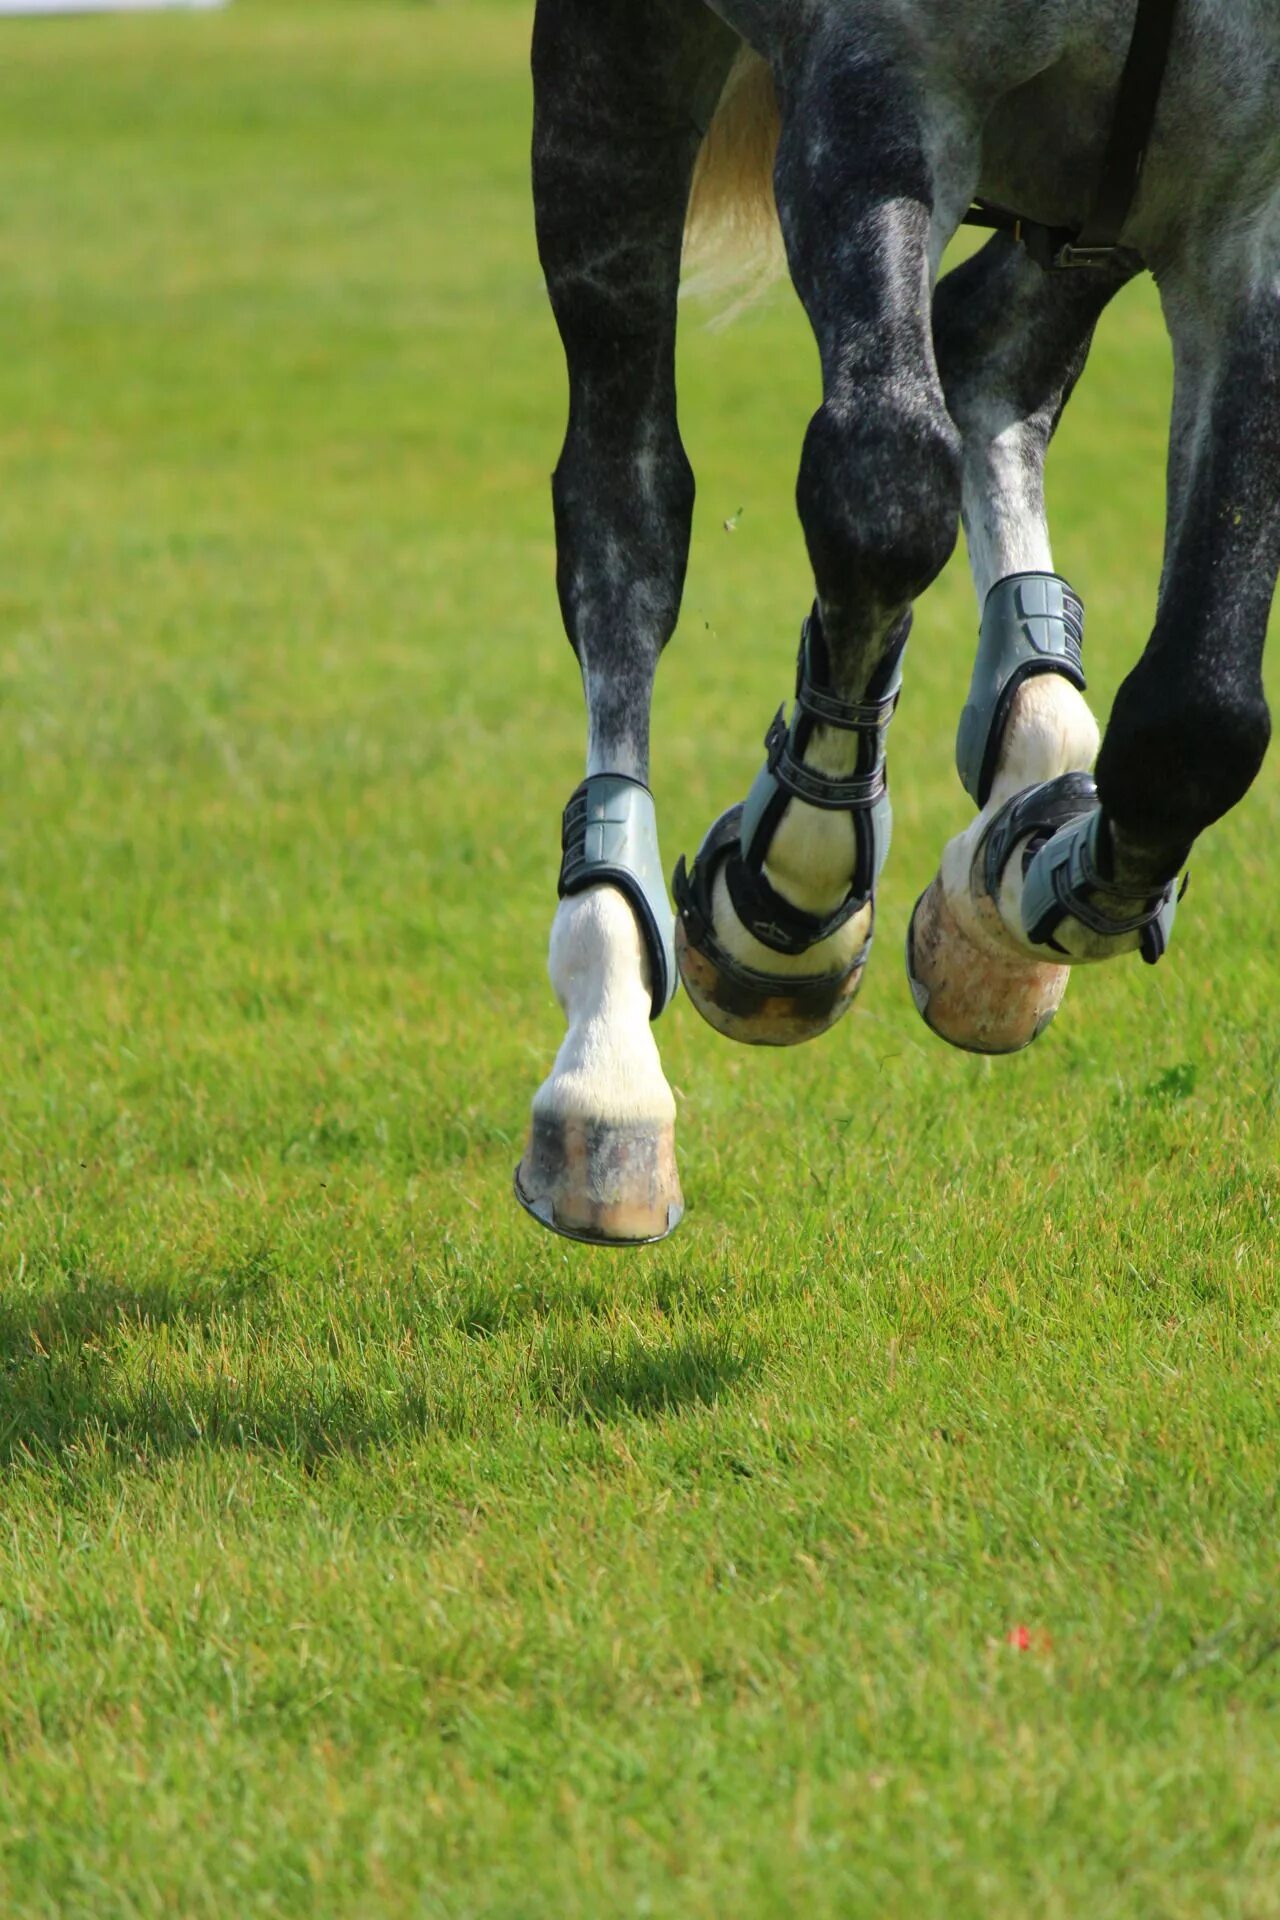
<point x="900" y="1538"/>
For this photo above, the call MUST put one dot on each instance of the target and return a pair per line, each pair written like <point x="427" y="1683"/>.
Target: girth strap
<point x="1131" y="129"/>
<point x="1137" y="102"/>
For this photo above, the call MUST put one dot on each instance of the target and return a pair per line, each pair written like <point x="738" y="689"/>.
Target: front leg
<point x="1070" y="871"/>
<point x="1012" y="341"/>
<point x="776" y="913"/>
<point x="1190" y="724"/>
<point x="621" y="93"/>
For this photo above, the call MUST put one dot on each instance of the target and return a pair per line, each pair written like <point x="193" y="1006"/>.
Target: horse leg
<point x="621" y="93"/>
<point x="776" y="912"/>
<point x="1067" y="871"/>
<point x="1011" y="341"/>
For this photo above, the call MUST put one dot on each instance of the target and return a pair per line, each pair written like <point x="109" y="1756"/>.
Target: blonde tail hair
<point x="732" y="236"/>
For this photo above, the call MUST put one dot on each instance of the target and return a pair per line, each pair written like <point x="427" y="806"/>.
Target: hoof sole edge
<point x="605" y="1185"/>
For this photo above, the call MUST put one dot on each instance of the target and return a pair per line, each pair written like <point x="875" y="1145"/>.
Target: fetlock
<point x="776" y="913"/>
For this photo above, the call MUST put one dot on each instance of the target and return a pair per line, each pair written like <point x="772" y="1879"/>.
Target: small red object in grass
<point x="1020" y="1637"/>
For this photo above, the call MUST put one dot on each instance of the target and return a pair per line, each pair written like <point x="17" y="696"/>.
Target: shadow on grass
<point x="645" y="1381"/>
<point x="71" y="1389"/>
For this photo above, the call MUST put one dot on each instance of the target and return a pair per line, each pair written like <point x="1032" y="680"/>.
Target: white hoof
<point x="600" y="1163"/>
<point x="976" y="979"/>
<point x="968" y="988"/>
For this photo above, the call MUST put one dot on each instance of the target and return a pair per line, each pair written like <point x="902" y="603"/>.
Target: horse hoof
<point x="608" y="1184"/>
<point x="972" y="995"/>
<point x="760" y="1010"/>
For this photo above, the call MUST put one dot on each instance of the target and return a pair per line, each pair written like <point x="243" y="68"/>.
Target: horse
<point x="874" y="128"/>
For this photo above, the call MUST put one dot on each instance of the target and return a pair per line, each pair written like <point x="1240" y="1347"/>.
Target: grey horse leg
<point x="776" y="914"/>
<point x="1190" y="725"/>
<point x="622" y="94"/>
<point x="1075" y="874"/>
<point x="1012" y="341"/>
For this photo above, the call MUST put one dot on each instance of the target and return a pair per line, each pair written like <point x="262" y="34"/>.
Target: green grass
<point x="363" y="1551"/>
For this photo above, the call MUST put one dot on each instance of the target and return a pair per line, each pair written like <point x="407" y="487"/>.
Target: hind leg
<point x="621" y="93"/>
<point x="1069" y="871"/>
<point x="1011" y="341"/>
<point x="776" y="913"/>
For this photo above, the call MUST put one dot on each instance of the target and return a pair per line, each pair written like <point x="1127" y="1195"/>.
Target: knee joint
<point x="879" y="497"/>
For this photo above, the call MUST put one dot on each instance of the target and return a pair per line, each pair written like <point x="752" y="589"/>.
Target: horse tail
<point x="732" y="232"/>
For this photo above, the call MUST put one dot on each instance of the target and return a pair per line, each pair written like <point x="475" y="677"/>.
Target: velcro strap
<point x="786" y="776"/>
<point x="833" y="793"/>
<point x="1071" y="871"/>
<point x="774" y="920"/>
<point x="849" y="716"/>
<point x="1062" y="878"/>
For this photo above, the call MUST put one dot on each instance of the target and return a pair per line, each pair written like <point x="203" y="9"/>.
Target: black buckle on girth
<point x="1049" y="247"/>
<point x="1097" y="242"/>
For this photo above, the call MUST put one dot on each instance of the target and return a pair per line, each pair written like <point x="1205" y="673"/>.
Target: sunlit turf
<point x="365" y="1552"/>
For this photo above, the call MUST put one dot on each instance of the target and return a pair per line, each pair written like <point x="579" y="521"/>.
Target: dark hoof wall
<point x="973" y="996"/>
<point x="609" y="1186"/>
<point x="760" y="1010"/>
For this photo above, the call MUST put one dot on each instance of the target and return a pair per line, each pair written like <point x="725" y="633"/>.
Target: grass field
<point x="362" y="1550"/>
